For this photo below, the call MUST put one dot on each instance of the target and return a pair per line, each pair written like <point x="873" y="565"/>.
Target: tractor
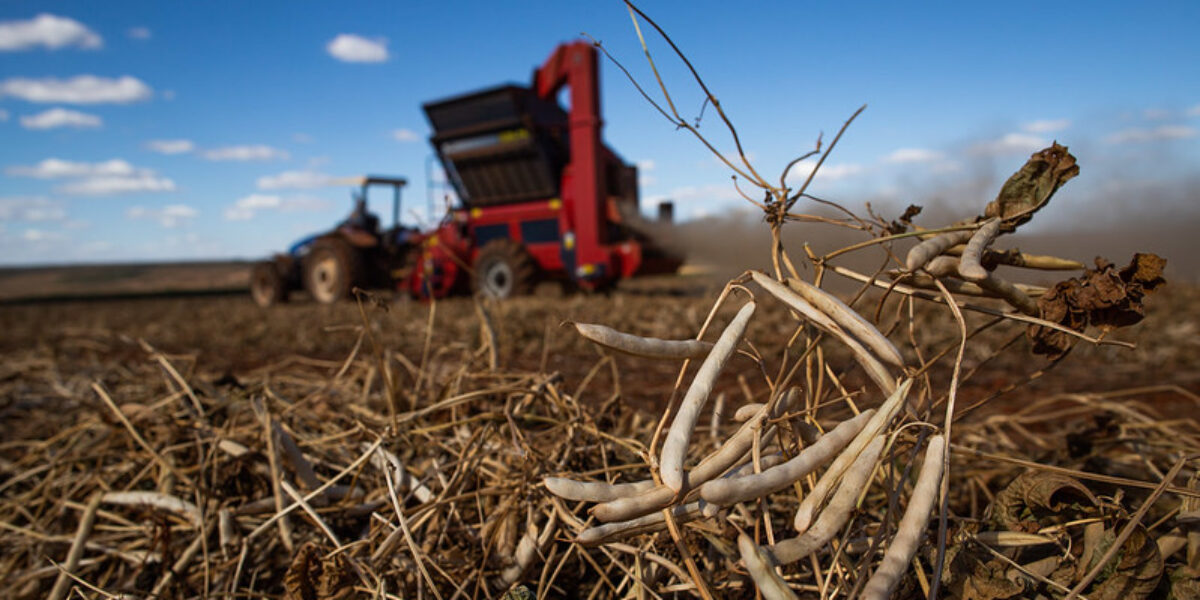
<point x="540" y="197"/>
<point x="357" y="252"/>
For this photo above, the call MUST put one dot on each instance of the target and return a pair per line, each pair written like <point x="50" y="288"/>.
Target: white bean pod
<point x="1016" y="298"/>
<point x="594" y="491"/>
<point x="655" y="521"/>
<point x="912" y="525"/>
<point x="970" y="265"/>
<point x="769" y="583"/>
<point x="849" y="319"/>
<point x="166" y="502"/>
<point x="766" y="461"/>
<point x="746" y="411"/>
<point x="674" y="448"/>
<point x="835" y="515"/>
<point x="1012" y="539"/>
<point x="651" y="522"/>
<point x="942" y="266"/>
<point x="730" y="490"/>
<point x="922" y="253"/>
<point x="732" y="452"/>
<point x="383" y="460"/>
<point x="875" y="369"/>
<point x="526" y="551"/>
<point x="811" y="502"/>
<point x="645" y="347"/>
<point x="962" y="288"/>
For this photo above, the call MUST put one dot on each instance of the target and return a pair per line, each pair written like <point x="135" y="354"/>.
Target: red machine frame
<point x="581" y="251"/>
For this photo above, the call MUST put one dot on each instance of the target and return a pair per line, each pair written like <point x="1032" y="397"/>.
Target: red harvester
<point x="542" y="197"/>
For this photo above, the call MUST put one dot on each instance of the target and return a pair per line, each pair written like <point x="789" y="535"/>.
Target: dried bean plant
<point x="851" y="456"/>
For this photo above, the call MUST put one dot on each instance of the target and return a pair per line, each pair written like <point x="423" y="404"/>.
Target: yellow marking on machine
<point x="513" y="135"/>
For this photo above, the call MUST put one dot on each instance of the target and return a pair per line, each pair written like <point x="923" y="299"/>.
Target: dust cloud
<point x="1164" y="220"/>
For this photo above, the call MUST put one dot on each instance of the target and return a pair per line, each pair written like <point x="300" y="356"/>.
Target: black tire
<point x="267" y="285"/>
<point x="503" y="270"/>
<point x="331" y="269"/>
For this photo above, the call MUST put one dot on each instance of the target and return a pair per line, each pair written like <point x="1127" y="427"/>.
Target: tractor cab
<point x="362" y="227"/>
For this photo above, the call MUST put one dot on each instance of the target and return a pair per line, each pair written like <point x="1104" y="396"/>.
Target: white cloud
<point x="34" y="208"/>
<point x="171" y="146"/>
<point x="1156" y="114"/>
<point x="40" y="235"/>
<point x="56" y="168"/>
<point x="138" y="33"/>
<point x="705" y="195"/>
<point x="117" y="184"/>
<point x="245" y="153"/>
<point x="828" y="172"/>
<point x="108" y="177"/>
<point x="912" y="155"/>
<point x="644" y="167"/>
<point x="405" y="135"/>
<point x="837" y="172"/>
<point x="81" y="89"/>
<point x="1165" y="132"/>
<point x="3" y="115"/>
<point x="1194" y="111"/>
<point x="302" y="138"/>
<point x="1012" y="143"/>
<point x="48" y="31"/>
<point x="1046" y="125"/>
<point x="246" y="208"/>
<point x="60" y="117"/>
<point x="349" y="47"/>
<point x="297" y="180"/>
<point x="179" y="211"/>
<point x="169" y="216"/>
<point x="257" y="201"/>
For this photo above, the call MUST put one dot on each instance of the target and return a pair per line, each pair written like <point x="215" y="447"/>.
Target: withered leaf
<point x="1030" y="188"/>
<point x="972" y="573"/>
<point x="1106" y="297"/>
<point x="1184" y="584"/>
<point x="1036" y="499"/>
<point x="1133" y="574"/>
<point x="313" y="577"/>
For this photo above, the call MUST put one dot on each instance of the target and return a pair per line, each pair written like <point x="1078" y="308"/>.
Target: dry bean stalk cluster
<point x="824" y="482"/>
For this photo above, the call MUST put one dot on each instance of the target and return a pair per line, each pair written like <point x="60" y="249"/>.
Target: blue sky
<point x="211" y="130"/>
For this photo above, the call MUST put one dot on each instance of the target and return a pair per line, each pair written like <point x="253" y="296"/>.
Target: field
<point x="150" y="445"/>
<point x="967" y="421"/>
<point x="122" y="281"/>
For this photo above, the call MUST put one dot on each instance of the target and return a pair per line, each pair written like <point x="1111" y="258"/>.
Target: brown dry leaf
<point x="1106" y="297"/>
<point x="1030" y="188"/>
<point x="1037" y="499"/>
<point x="1134" y="573"/>
<point x="972" y="573"/>
<point x="312" y="577"/>
<point x="1184" y="584"/>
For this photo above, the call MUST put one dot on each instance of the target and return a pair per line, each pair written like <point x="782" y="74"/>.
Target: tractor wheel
<point x="503" y="270"/>
<point x="331" y="269"/>
<point x="267" y="286"/>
